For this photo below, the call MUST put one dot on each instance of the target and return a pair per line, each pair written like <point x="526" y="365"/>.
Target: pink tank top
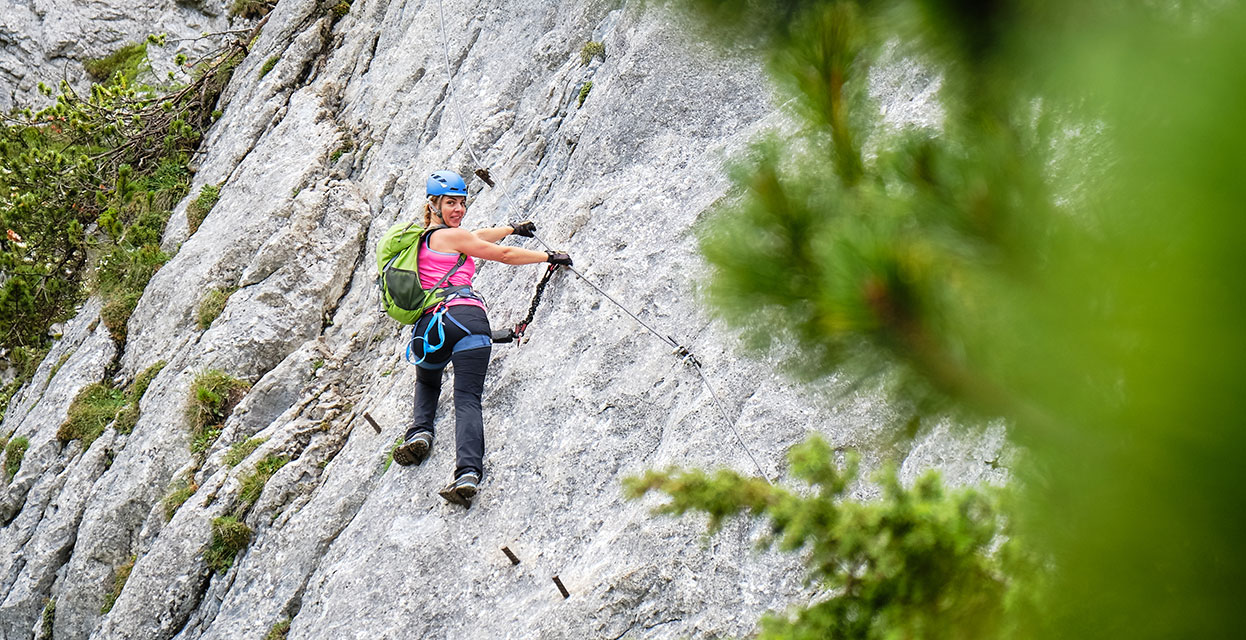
<point x="434" y="265"/>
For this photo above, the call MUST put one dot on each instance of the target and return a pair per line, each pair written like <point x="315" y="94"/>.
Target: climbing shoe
<point x="462" y="490"/>
<point x="414" y="449"/>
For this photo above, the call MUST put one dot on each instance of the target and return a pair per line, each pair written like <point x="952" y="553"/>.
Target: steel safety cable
<point x="685" y="355"/>
<point x="445" y="50"/>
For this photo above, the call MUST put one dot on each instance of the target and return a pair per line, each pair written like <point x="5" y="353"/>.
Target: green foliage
<point x="588" y="86"/>
<point x="203" y="439"/>
<point x="592" y="50"/>
<point x="177" y="496"/>
<point x="199" y="208"/>
<point x="916" y="563"/>
<point x="116" y="314"/>
<point x="389" y="459"/>
<point x="128" y="417"/>
<point x="229" y="536"/>
<point x="268" y="65"/>
<point x="253" y="483"/>
<point x="120" y="576"/>
<point x="92" y="177"/>
<point x="213" y="395"/>
<point x="278" y="630"/>
<point x="47" y="619"/>
<point x="212" y="305"/>
<point x="240" y="450"/>
<point x="26" y="360"/>
<point x="1056" y="253"/>
<point x="14" y="452"/>
<point x="340" y="10"/>
<point x="95" y="406"/>
<point x="143" y="380"/>
<point x="125" y="62"/>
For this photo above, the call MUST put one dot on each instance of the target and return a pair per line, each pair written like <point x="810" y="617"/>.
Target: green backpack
<point x="398" y="273"/>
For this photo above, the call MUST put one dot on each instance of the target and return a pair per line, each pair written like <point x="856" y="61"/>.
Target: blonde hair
<point x="428" y="211"/>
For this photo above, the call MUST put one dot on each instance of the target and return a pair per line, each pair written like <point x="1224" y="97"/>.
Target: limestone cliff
<point x="316" y="158"/>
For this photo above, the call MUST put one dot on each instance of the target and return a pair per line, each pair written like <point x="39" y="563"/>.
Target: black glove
<point x="525" y="228"/>
<point x="558" y="257"/>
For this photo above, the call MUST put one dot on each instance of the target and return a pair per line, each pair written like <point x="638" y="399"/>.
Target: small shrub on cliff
<point x="212" y="305"/>
<point x="90" y="413"/>
<point x="918" y="563"/>
<point x="199" y="208"/>
<point x="14" y="452"/>
<point x="229" y="536"/>
<point x="120" y="577"/>
<point x="588" y="86"/>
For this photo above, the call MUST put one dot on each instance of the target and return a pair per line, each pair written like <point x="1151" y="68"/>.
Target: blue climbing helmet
<point x="446" y="183"/>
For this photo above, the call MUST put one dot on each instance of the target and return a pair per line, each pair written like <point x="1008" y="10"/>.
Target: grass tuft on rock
<point x="229" y="536"/>
<point x="240" y="450"/>
<point x="278" y="630"/>
<point x="178" y="496"/>
<point x="120" y="577"/>
<point x="128" y="417"/>
<point x="89" y="414"/>
<point x="212" y="305"/>
<point x="14" y="452"/>
<point x="588" y="86"/>
<point x="126" y="61"/>
<point x="199" y="208"/>
<point x="253" y="483"/>
<point x="213" y="395"/>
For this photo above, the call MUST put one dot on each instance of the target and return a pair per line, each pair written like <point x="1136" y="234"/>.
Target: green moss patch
<point x="14" y="452"/>
<point x="229" y="536"/>
<point x="268" y="65"/>
<point x="592" y="50"/>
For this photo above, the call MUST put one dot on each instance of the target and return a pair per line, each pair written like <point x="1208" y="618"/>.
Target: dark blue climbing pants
<point x="470" y="366"/>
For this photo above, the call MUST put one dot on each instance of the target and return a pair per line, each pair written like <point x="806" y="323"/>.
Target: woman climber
<point x="457" y="330"/>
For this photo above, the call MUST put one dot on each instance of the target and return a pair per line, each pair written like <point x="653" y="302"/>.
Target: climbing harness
<point x="438" y="321"/>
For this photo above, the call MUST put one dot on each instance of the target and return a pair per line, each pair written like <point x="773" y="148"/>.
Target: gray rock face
<point x="48" y="40"/>
<point x="315" y="160"/>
